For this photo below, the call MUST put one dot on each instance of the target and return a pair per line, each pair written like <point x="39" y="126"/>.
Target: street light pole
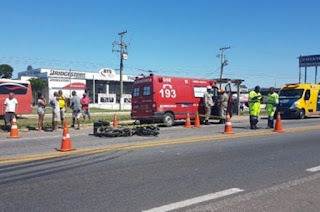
<point x="122" y="51"/>
<point x="223" y="62"/>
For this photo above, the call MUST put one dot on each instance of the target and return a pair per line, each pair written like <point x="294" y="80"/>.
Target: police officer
<point x="254" y="107"/>
<point x="272" y="101"/>
<point x="208" y="102"/>
<point x="223" y="105"/>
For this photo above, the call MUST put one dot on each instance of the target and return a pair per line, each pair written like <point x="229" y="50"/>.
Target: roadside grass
<point x="32" y="123"/>
<point x="92" y="110"/>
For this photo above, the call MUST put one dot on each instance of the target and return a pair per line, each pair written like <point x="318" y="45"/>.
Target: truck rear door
<point x="142" y="100"/>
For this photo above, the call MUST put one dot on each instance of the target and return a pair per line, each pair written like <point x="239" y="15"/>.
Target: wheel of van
<point x="168" y="119"/>
<point x="301" y="114"/>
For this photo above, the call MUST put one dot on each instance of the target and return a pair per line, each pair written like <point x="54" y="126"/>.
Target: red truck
<point x="163" y="99"/>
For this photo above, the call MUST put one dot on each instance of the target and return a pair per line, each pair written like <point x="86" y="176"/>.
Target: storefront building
<point x="102" y="87"/>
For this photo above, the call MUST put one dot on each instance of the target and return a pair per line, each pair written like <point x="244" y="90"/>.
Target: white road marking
<point x="314" y="169"/>
<point x="196" y="200"/>
<point x="220" y="205"/>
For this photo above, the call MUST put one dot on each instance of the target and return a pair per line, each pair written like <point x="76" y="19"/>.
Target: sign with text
<point x="104" y="98"/>
<point x="67" y="74"/>
<point x="310" y="60"/>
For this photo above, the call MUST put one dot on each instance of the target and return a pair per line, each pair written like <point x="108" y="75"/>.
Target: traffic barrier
<point x="66" y="140"/>
<point x="228" y="126"/>
<point x="14" y="132"/>
<point x="197" y="121"/>
<point x="188" y="122"/>
<point x="115" y="121"/>
<point x="278" y="126"/>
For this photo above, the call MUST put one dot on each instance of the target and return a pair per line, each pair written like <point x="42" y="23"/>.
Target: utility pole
<point x="223" y="61"/>
<point x="123" y="56"/>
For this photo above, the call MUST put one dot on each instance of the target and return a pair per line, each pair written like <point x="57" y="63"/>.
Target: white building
<point x="102" y="87"/>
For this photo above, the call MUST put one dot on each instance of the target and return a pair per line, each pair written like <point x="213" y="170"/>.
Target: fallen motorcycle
<point x="103" y="129"/>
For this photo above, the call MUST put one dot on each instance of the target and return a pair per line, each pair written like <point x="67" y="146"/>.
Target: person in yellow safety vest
<point x="254" y="107"/>
<point x="272" y="101"/>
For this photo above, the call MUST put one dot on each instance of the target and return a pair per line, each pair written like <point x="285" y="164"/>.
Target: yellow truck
<point x="299" y="100"/>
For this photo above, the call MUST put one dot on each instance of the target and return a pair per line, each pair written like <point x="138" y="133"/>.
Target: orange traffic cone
<point x="14" y="132"/>
<point x="197" y="121"/>
<point x="278" y="126"/>
<point x="66" y="140"/>
<point x="188" y="122"/>
<point x="228" y="126"/>
<point x="115" y="121"/>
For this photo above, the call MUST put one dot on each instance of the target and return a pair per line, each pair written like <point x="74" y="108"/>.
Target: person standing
<point x="41" y="110"/>
<point x="85" y="101"/>
<point x="75" y="106"/>
<point x="272" y="101"/>
<point x="223" y="105"/>
<point x="208" y="102"/>
<point x="62" y="106"/>
<point x="11" y="105"/>
<point x="54" y="102"/>
<point x="254" y="107"/>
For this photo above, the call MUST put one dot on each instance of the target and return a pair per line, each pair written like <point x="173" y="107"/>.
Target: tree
<point x="37" y="85"/>
<point x="6" y="71"/>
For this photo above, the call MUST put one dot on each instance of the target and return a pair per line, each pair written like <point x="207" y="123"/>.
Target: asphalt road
<point x="266" y="172"/>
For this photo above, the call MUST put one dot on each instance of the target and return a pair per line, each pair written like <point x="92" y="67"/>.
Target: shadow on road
<point x="42" y="168"/>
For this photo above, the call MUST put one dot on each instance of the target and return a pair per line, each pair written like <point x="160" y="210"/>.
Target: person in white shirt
<point x="11" y="104"/>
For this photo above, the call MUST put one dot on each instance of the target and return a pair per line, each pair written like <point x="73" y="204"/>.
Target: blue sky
<point x="177" y="38"/>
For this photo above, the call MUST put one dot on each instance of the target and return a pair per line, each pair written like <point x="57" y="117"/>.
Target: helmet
<point x="209" y="87"/>
<point x="222" y="90"/>
<point x="52" y="102"/>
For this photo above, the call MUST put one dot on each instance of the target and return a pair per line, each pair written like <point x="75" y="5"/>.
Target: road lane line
<point x="196" y="200"/>
<point x="313" y="169"/>
<point x="220" y="205"/>
<point x="148" y="144"/>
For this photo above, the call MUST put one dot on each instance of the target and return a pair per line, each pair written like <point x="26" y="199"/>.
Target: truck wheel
<point x="168" y="119"/>
<point x="301" y="114"/>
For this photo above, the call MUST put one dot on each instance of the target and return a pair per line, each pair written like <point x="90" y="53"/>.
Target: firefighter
<point x="208" y="102"/>
<point x="254" y="107"/>
<point x="223" y="105"/>
<point x="272" y="101"/>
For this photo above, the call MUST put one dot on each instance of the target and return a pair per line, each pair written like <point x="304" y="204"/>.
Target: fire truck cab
<point x="163" y="99"/>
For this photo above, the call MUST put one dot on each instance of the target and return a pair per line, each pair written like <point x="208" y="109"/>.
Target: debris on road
<point x="103" y="129"/>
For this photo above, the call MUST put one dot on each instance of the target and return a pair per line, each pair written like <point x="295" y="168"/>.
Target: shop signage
<point x="107" y="72"/>
<point x="67" y="74"/>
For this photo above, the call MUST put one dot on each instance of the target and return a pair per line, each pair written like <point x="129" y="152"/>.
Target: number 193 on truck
<point x="162" y="99"/>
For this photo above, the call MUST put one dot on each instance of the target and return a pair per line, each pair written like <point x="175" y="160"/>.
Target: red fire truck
<point x="162" y="99"/>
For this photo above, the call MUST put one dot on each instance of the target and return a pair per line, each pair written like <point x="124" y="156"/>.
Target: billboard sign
<point x="310" y="60"/>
